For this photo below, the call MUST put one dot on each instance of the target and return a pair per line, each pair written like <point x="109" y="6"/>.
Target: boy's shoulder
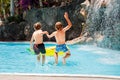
<point x="54" y="31"/>
<point x="40" y="30"/>
<point x="37" y="31"/>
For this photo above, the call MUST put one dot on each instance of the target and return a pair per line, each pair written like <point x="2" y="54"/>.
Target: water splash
<point x="104" y="23"/>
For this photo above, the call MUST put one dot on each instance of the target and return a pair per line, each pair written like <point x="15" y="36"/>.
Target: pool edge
<point x="61" y="75"/>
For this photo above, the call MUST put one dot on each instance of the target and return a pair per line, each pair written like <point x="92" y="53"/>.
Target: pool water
<point x="84" y="60"/>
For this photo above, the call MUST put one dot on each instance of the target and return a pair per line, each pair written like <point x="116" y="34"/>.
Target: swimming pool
<point x="84" y="60"/>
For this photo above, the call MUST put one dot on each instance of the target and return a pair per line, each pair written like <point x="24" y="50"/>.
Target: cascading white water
<point x="104" y="23"/>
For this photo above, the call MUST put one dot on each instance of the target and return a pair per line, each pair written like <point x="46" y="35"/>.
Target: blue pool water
<point x="85" y="60"/>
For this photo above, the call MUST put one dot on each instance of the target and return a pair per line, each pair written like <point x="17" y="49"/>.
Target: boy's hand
<point x="46" y="32"/>
<point x="31" y="48"/>
<point x="66" y="15"/>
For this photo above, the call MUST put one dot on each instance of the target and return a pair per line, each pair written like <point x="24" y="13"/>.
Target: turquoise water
<point x="85" y="60"/>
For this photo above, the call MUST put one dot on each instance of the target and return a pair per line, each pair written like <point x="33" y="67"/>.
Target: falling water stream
<point x="104" y="23"/>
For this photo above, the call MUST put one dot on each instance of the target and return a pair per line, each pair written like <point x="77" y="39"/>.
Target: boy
<point x="60" y="38"/>
<point x="37" y="38"/>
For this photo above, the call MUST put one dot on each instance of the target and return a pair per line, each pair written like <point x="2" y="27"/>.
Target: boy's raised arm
<point x="68" y="21"/>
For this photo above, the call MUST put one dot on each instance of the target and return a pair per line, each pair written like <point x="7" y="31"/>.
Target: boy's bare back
<point x="60" y="36"/>
<point x="60" y="33"/>
<point x="38" y="37"/>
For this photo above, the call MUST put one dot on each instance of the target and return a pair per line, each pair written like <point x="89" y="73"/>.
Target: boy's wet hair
<point x="37" y="26"/>
<point x="58" y="26"/>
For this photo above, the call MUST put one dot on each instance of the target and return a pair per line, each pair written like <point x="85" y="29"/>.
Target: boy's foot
<point x="64" y="62"/>
<point x="42" y="64"/>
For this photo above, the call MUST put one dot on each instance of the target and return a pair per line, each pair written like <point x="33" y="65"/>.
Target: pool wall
<point x="21" y="76"/>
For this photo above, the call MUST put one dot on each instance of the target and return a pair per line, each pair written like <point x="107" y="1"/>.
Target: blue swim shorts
<point x="61" y="47"/>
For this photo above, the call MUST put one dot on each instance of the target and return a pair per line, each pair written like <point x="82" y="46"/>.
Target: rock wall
<point x="48" y="17"/>
<point x="12" y="32"/>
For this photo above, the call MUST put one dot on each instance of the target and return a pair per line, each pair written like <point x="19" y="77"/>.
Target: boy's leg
<point x="66" y="56"/>
<point x="43" y="59"/>
<point x="56" y="57"/>
<point x="43" y="51"/>
<point x="38" y="57"/>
